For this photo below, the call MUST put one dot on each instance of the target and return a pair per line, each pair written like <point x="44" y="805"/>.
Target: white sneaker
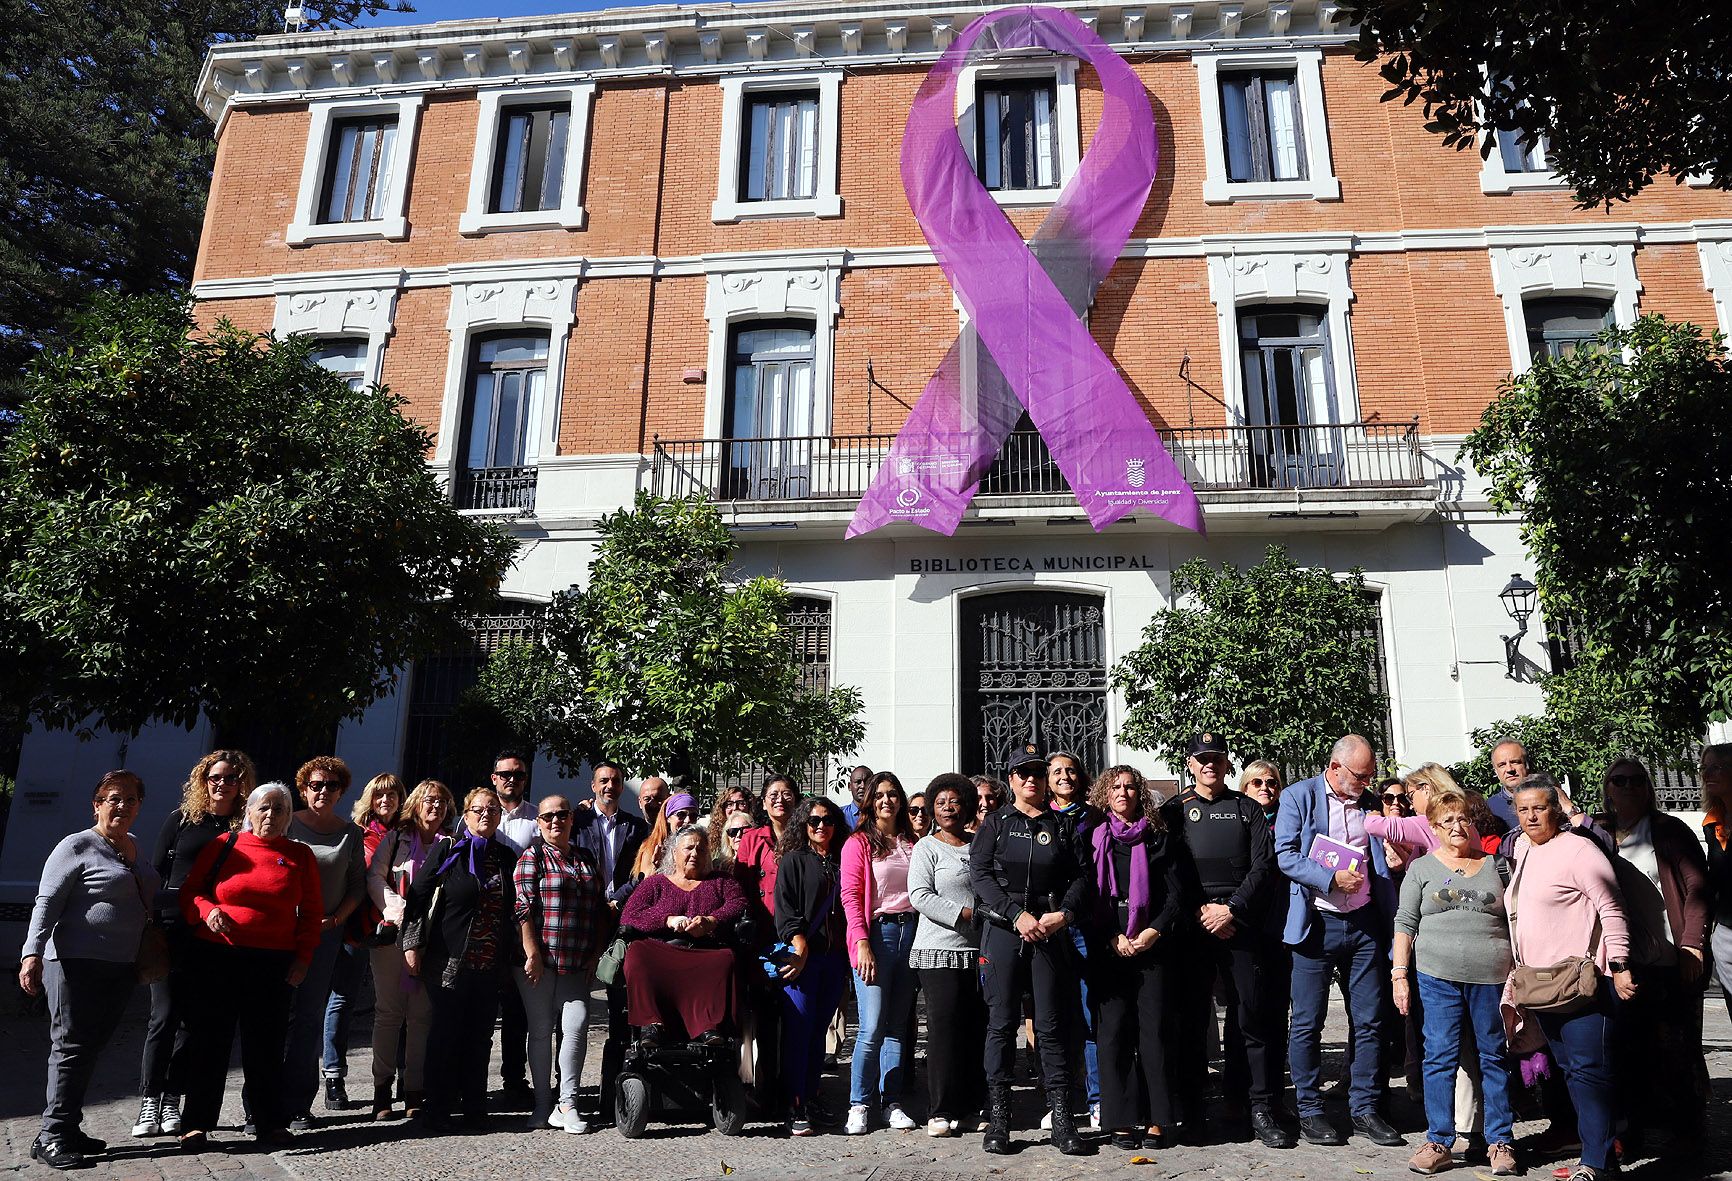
<point x="857" y="1120"/>
<point x="1046" y="1122"/>
<point x="568" y="1120"/>
<point x="169" y="1109"/>
<point x="899" y="1119"/>
<point x="1094" y="1117"/>
<point x="938" y="1126"/>
<point x="149" y="1118"/>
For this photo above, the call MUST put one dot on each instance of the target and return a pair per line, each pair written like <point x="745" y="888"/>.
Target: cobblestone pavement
<point x="347" y="1147"/>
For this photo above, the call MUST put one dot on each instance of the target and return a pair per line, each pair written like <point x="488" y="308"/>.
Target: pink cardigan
<point x="1414" y="831"/>
<point x="1563" y="890"/>
<point x="859" y="889"/>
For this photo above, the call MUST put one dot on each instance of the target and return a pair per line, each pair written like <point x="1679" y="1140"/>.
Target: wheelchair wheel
<point x="728" y="1103"/>
<point x="631" y="1106"/>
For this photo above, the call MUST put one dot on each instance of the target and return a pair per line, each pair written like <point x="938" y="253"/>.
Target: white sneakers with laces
<point x="898" y="1119"/>
<point x="149" y="1118"/>
<point x="858" y="1119"/>
<point x="169" y="1111"/>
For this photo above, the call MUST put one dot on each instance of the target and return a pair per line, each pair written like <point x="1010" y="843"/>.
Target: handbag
<point x="610" y="968"/>
<point x="153" y="959"/>
<point x="1571" y="984"/>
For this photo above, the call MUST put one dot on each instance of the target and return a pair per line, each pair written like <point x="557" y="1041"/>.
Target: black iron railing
<point x="1213" y="459"/>
<point x="498" y="489"/>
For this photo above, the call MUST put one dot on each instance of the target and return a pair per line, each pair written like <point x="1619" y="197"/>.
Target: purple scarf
<point x="1131" y="835"/>
<point x="476" y="847"/>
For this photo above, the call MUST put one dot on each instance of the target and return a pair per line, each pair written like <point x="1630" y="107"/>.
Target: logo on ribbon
<point x="1025" y="344"/>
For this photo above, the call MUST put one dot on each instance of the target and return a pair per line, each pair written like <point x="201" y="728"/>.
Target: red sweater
<point x="268" y="889"/>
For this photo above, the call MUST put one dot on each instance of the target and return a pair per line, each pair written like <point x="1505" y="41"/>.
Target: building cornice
<point x="699" y="40"/>
<point x="589" y="268"/>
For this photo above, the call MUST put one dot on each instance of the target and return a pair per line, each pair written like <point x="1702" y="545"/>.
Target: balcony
<point x="508" y="490"/>
<point x="828" y="473"/>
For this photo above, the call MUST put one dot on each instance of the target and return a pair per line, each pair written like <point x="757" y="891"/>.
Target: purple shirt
<point x="1347" y="825"/>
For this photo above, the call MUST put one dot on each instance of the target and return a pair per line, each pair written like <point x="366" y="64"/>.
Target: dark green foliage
<point x="104" y="155"/>
<point x="1622" y="89"/>
<point x="1277" y="657"/>
<point x="667" y="660"/>
<point x="209" y="522"/>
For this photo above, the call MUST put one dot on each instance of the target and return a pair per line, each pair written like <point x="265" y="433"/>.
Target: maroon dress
<point x="695" y="986"/>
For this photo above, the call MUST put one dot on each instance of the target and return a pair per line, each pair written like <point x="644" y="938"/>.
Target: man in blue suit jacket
<point x="1336" y="919"/>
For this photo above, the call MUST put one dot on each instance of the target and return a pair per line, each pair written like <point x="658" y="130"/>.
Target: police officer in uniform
<point x="1234" y="855"/>
<point x="1031" y="874"/>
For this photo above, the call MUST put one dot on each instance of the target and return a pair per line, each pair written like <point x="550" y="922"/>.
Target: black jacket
<point x="443" y="937"/>
<point x="177" y="847"/>
<point x="1034" y="863"/>
<point x="1232" y="847"/>
<point x="809" y="901"/>
<point x="588" y="835"/>
<point x="1171" y="889"/>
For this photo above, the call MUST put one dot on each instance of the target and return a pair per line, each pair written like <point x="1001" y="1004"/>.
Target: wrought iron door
<point x="1033" y="670"/>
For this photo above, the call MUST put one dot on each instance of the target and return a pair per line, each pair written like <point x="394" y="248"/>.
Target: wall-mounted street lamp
<point x="1517" y="597"/>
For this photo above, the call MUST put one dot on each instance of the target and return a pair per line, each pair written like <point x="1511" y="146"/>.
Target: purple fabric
<point x="1025" y="344"/>
<point x="678" y="801"/>
<point x="1139" y="910"/>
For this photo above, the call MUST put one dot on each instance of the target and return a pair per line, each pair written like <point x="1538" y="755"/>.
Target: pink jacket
<point x="859" y="892"/>
<point x="1414" y="831"/>
<point x="1565" y="896"/>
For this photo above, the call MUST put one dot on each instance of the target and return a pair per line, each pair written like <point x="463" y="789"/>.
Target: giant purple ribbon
<point x="1025" y="344"/>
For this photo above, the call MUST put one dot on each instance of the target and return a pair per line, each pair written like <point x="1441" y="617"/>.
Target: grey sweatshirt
<point x="939" y="887"/>
<point x="89" y="905"/>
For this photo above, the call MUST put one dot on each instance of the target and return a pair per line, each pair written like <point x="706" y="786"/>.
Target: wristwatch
<point x="1617" y="966"/>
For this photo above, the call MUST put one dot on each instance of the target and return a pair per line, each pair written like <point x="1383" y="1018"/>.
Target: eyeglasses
<point x="119" y="801"/>
<point x="1456" y="822"/>
<point x="1395" y="797"/>
<point x="562" y="816"/>
<point x="737" y="806"/>
<point x="1626" y="781"/>
<point x="1268" y="783"/>
<point x="820" y="822"/>
<point x="486" y="811"/>
<point x="324" y="785"/>
<point x="222" y="779"/>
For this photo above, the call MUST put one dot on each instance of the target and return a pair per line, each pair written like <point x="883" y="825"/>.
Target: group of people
<point x="1492" y="941"/>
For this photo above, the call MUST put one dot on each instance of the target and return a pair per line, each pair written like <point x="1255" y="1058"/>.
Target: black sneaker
<point x="57" y="1152"/>
<point x="301" y="1123"/>
<point x="336" y="1095"/>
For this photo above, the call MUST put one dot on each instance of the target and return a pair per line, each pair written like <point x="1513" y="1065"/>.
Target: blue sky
<point x="428" y="11"/>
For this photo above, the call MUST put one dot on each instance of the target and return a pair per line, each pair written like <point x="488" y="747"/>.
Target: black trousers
<point x="1132" y="1002"/>
<point x="513" y="1036"/>
<point x="460" y="1041"/>
<point x="1008" y="969"/>
<point x="230" y="988"/>
<point x="1254" y="968"/>
<point x="955" y="1037"/>
<point x="85" y="1001"/>
<point x="165" y="1033"/>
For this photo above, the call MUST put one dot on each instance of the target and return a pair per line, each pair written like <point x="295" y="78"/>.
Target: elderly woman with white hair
<point x="255" y="906"/>
<point x="678" y="970"/>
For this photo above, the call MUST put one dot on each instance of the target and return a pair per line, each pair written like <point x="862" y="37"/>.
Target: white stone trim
<point x="1241" y="274"/>
<point x="827" y="201"/>
<point x="1601" y="269"/>
<point x="1494" y="181"/>
<point x="1714" y="248"/>
<point x="570" y="215"/>
<point x="484" y="304"/>
<point x="342" y="312"/>
<point x="1063" y="72"/>
<point x="306" y="228"/>
<point x="1321" y="183"/>
<point x="739" y="290"/>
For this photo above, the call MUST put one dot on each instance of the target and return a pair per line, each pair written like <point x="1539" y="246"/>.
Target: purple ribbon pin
<point x="1025" y="344"/>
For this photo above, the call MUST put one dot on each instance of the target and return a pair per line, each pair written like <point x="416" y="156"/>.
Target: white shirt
<point x="517" y="827"/>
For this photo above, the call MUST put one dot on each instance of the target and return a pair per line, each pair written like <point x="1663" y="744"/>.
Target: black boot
<point x="997" y="1138"/>
<point x="1064" y="1135"/>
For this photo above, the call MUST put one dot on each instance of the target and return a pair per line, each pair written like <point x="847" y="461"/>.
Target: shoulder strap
<point x="221" y="857"/>
<point x="1504" y="869"/>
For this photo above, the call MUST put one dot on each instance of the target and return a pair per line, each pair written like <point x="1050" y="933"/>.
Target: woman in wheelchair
<point x="682" y="978"/>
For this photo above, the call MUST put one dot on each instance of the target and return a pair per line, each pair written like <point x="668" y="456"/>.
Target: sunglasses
<point x="222" y="779"/>
<point x="1626" y="780"/>
<point x="562" y="816"/>
<point x="1395" y="797"/>
<point x="685" y="816"/>
<point x="820" y="822"/>
<point x="324" y="785"/>
<point x="511" y="775"/>
<point x="919" y="811"/>
<point x="1269" y="783"/>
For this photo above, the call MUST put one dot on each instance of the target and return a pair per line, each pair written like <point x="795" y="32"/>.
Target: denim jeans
<point x="1352" y="942"/>
<point x="1090" y="1048"/>
<point x="306" y="1037"/>
<point x="881" y="1043"/>
<point x="351" y="995"/>
<point x="1582" y="1045"/>
<point x="1450" y="1005"/>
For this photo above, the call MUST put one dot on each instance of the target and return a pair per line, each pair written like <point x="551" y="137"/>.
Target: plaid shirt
<point x="568" y="896"/>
